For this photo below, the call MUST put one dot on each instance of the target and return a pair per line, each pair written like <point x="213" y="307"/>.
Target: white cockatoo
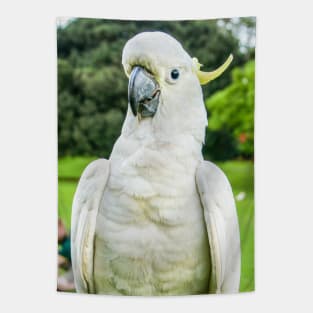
<point x="156" y="219"/>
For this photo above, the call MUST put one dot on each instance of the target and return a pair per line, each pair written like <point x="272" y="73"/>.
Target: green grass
<point x="72" y="167"/>
<point x="66" y="192"/>
<point x="69" y="171"/>
<point x="240" y="175"/>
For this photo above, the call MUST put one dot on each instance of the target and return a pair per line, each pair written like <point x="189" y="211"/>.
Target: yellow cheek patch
<point x="205" y="77"/>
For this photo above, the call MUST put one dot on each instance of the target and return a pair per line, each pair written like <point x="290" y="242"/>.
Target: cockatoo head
<point x="164" y="81"/>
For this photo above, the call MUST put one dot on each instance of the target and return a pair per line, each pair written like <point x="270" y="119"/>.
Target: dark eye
<point x="175" y="73"/>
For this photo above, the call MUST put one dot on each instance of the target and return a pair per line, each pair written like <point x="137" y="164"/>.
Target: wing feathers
<point x="84" y="214"/>
<point x="222" y="227"/>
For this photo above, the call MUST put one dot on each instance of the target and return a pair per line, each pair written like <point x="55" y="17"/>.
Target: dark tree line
<point x="92" y="86"/>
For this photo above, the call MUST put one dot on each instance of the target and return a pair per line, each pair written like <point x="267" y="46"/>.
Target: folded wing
<point x="222" y="227"/>
<point x="84" y="214"/>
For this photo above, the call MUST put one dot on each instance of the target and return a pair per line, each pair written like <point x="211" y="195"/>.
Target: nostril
<point x="150" y="98"/>
<point x="155" y="92"/>
<point x="145" y="101"/>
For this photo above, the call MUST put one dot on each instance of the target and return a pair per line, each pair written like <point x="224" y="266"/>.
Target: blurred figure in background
<point x="65" y="280"/>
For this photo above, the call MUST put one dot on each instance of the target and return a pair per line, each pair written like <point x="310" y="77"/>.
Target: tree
<point x="232" y="109"/>
<point x="92" y="86"/>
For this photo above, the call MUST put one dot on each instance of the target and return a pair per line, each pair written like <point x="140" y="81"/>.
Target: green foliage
<point x="232" y="109"/>
<point x="219" y="145"/>
<point x="92" y="86"/>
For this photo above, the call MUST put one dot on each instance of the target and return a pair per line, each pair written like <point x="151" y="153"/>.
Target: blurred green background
<point x="92" y="103"/>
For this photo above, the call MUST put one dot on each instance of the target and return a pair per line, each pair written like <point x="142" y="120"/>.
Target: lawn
<point x="240" y="174"/>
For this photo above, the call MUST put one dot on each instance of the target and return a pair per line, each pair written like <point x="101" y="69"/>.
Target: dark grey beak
<point x="143" y="93"/>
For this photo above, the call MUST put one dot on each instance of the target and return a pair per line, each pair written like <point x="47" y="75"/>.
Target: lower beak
<point x="143" y="93"/>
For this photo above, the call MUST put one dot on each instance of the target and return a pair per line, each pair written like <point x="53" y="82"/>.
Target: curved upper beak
<point x="143" y="93"/>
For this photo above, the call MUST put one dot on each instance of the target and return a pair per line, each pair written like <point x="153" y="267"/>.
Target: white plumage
<point x="155" y="219"/>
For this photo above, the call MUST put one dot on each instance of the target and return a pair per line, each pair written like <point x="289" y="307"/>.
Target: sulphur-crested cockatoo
<point x="156" y="219"/>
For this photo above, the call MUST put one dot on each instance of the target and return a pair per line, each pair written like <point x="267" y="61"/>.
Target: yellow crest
<point x="205" y="77"/>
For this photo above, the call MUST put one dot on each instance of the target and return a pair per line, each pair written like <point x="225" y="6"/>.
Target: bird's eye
<point x="175" y="74"/>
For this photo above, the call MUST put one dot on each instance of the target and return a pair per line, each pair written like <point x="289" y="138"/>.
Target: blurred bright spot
<point x="241" y="195"/>
<point x="245" y="80"/>
<point x="220" y="23"/>
<point x="64" y="21"/>
<point x="242" y="137"/>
